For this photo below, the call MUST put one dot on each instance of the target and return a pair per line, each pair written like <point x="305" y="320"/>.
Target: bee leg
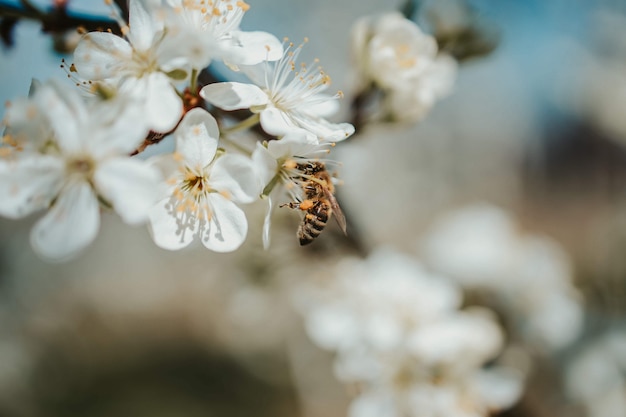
<point x="300" y="205"/>
<point x="291" y="205"/>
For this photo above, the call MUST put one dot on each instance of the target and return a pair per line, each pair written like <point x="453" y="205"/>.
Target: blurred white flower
<point x="398" y="333"/>
<point x="26" y="124"/>
<point x="138" y="65"/>
<point x="202" y="190"/>
<point x="529" y="277"/>
<point x="286" y="96"/>
<point x="596" y="378"/>
<point x="394" y="53"/>
<point x="202" y="31"/>
<point x="85" y="160"/>
<point x="377" y="303"/>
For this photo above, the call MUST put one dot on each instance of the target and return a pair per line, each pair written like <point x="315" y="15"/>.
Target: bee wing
<point x="339" y="217"/>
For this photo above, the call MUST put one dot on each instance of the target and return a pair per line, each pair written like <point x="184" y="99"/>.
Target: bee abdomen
<point x="314" y="222"/>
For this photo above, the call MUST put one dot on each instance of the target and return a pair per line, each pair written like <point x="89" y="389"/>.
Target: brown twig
<point x="57" y="19"/>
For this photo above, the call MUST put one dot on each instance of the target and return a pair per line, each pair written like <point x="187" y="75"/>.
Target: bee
<point x="319" y="202"/>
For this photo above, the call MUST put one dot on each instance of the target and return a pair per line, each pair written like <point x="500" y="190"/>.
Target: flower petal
<point x="227" y="228"/>
<point x="250" y="48"/>
<point x="235" y="175"/>
<point x="169" y="229"/>
<point x="142" y="25"/>
<point x="324" y="130"/>
<point x="325" y="107"/>
<point x="71" y="224"/>
<point x="118" y="127"/>
<point x="26" y="123"/>
<point x="162" y="107"/>
<point x="276" y="122"/>
<point x="196" y="138"/>
<point x="101" y="55"/>
<point x="130" y="185"/>
<point x="66" y="112"/>
<point x="267" y="223"/>
<point x="29" y="184"/>
<point x="234" y="96"/>
<point x="264" y="163"/>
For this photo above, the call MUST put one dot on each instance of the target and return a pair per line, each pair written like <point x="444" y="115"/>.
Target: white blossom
<point x="139" y="65"/>
<point x="287" y="96"/>
<point x="479" y="246"/>
<point x="26" y="123"/>
<point x="277" y="166"/>
<point x="202" y="31"/>
<point x="394" y="53"/>
<point x="596" y="378"/>
<point x="84" y="160"/>
<point x="398" y="333"/>
<point x="203" y="188"/>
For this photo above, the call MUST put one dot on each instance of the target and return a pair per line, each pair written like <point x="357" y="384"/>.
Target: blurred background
<point x="534" y="130"/>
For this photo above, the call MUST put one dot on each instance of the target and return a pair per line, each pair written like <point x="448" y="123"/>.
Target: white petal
<point x="168" y="228"/>
<point x="29" y="184"/>
<point x="196" y="138"/>
<point x="249" y="48"/>
<point x="374" y="404"/>
<point x="71" y="224"/>
<point x="118" y="127"/>
<point x="130" y="185"/>
<point x="142" y="25"/>
<point x="168" y="165"/>
<point x="227" y="228"/>
<point x="27" y="123"/>
<point x="276" y="122"/>
<point x="66" y="112"/>
<point x="499" y="387"/>
<point x="161" y="105"/>
<point x="324" y="130"/>
<point x="234" y="96"/>
<point x="264" y="163"/>
<point x="235" y="175"/>
<point x="267" y="222"/>
<point x="101" y="55"/>
<point x="323" y="108"/>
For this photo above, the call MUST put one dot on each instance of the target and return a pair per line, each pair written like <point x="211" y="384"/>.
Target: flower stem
<point x="244" y="124"/>
<point x="234" y="144"/>
<point x="270" y="186"/>
<point x="193" y="85"/>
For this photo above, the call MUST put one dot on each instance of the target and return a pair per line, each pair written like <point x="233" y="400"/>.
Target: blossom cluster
<point x="69" y="150"/>
<point x="401" y="337"/>
<point x="530" y="276"/>
<point x="596" y="378"/>
<point x="393" y="53"/>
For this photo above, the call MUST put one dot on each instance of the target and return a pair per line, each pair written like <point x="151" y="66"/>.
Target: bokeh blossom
<point x="480" y="247"/>
<point x="398" y="332"/>
<point x="393" y="52"/>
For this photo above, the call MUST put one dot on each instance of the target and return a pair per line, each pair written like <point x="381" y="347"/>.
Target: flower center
<point x="83" y="166"/>
<point x="290" y="85"/>
<point x="218" y="17"/>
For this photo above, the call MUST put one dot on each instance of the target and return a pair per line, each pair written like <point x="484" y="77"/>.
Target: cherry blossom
<point x="277" y="165"/>
<point x="394" y="53"/>
<point x="137" y="64"/>
<point x="203" y="187"/>
<point x="286" y="96"/>
<point x="85" y="161"/>
<point x="202" y="31"/>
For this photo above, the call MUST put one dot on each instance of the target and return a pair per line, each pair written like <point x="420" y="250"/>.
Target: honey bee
<point x="319" y="202"/>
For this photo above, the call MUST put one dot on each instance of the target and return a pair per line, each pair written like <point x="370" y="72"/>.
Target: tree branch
<point x="57" y="19"/>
